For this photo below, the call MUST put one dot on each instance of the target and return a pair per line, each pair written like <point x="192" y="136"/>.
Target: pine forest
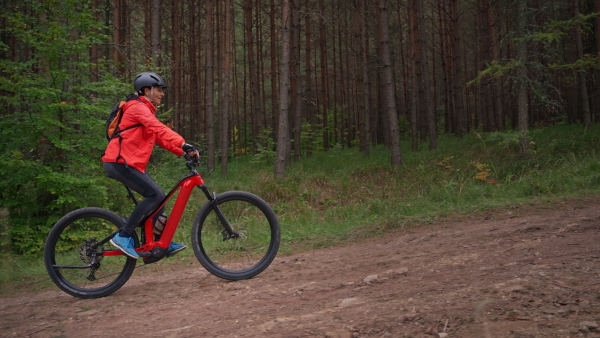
<point x="284" y="78"/>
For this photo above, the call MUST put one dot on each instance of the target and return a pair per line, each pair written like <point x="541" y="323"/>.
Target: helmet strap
<point x="148" y="96"/>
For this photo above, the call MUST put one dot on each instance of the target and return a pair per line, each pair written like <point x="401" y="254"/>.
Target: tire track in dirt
<point x="533" y="271"/>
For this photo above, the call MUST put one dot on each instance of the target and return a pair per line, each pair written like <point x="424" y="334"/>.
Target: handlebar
<point x="193" y="162"/>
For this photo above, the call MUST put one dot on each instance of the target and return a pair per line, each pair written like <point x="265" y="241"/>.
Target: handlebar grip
<point x="191" y="162"/>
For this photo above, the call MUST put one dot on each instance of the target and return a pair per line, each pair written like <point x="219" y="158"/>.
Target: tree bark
<point x="583" y="92"/>
<point x="522" y="105"/>
<point x="308" y="74"/>
<point x="597" y="27"/>
<point x="427" y="80"/>
<point x="148" y="28"/>
<point x="119" y="22"/>
<point x="596" y="91"/>
<point x="444" y="63"/>
<point x="94" y="51"/>
<point x="296" y="81"/>
<point x="459" y="111"/>
<point x="274" y="73"/>
<point x="366" y="127"/>
<point x="485" y="101"/>
<point x="336" y="77"/>
<point x="390" y="103"/>
<point x="226" y="88"/>
<point x="495" y="54"/>
<point x="414" y="83"/>
<point x="209" y="68"/>
<point x="255" y="102"/>
<point x="177" y="64"/>
<point x="156" y="32"/>
<point x="283" y="149"/>
<point x="324" y="97"/>
<point x="193" y="74"/>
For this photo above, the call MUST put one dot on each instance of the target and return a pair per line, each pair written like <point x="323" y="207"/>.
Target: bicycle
<point x="235" y="236"/>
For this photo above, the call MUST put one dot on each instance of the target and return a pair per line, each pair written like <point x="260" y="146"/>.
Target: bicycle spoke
<point x="252" y="245"/>
<point x="74" y="254"/>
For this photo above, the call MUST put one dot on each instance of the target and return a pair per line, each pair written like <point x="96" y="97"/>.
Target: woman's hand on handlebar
<point x="190" y="153"/>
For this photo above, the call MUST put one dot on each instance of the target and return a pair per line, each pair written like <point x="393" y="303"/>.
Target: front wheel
<point x="79" y="257"/>
<point x="253" y="244"/>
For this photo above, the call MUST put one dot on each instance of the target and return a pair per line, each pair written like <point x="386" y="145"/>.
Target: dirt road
<point x="530" y="271"/>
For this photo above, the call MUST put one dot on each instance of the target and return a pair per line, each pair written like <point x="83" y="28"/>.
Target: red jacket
<point x="135" y="147"/>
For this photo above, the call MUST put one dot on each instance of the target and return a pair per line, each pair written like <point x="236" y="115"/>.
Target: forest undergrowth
<point x="341" y="195"/>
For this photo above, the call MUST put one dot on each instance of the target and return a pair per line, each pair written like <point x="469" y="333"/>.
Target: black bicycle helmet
<point x="147" y="79"/>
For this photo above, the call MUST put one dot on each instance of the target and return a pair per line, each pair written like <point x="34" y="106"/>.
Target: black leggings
<point x="141" y="183"/>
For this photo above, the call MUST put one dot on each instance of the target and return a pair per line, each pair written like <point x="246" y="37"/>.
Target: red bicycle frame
<point x="158" y="249"/>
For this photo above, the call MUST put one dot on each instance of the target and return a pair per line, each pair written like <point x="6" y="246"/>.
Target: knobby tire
<point x="72" y="243"/>
<point x="241" y="257"/>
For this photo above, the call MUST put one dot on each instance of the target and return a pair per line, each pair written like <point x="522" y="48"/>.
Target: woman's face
<point x="155" y="94"/>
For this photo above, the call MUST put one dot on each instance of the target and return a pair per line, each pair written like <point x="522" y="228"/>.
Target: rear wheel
<point x="75" y="258"/>
<point x="252" y="247"/>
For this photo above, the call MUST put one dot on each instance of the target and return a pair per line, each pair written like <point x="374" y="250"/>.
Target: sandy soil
<point x="530" y="271"/>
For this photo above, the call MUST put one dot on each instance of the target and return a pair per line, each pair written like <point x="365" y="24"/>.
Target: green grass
<point x="341" y="195"/>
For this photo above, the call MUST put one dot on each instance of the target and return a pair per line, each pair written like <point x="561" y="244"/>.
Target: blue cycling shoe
<point x="125" y="244"/>
<point x="175" y="248"/>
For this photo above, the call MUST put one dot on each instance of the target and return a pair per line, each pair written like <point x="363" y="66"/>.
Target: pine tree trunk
<point x="357" y="72"/>
<point x="485" y="108"/>
<point x="274" y="78"/>
<point x="596" y="92"/>
<point x="192" y="83"/>
<point x="461" y="122"/>
<point x="324" y="97"/>
<point x="255" y="103"/>
<point x="283" y="152"/>
<point x="522" y="105"/>
<point x="94" y="51"/>
<point x="296" y="85"/>
<point x="336" y="77"/>
<point x="444" y="63"/>
<point x="365" y="131"/>
<point x="495" y="53"/>
<point x="427" y="80"/>
<point x="390" y="103"/>
<point x="414" y="83"/>
<point x="156" y="32"/>
<point x="308" y="73"/>
<point x="209" y="68"/>
<point x="177" y="64"/>
<point x="119" y="19"/>
<point x="583" y="93"/>
<point x="226" y="89"/>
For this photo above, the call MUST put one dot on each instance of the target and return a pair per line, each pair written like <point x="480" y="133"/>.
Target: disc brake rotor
<point x="87" y="247"/>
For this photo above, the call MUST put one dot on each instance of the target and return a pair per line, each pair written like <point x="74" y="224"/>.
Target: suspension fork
<point x="212" y="198"/>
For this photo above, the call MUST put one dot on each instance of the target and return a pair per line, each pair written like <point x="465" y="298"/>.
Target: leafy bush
<point x="53" y="118"/>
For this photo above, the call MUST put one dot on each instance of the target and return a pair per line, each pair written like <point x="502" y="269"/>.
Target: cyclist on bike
<point x="126" y="156"/>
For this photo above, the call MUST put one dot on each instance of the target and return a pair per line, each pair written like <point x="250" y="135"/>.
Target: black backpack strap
<point x="118" y="131"/>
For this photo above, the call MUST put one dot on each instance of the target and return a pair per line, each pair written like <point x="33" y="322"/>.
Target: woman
<point x="127" y="156"/>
